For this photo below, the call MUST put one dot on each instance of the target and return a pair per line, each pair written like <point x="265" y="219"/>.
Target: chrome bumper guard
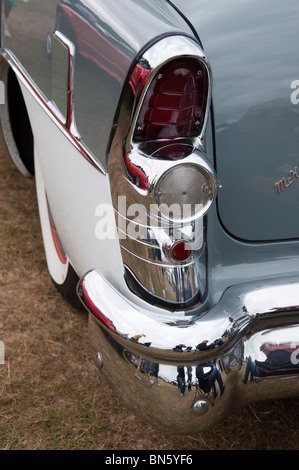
<point x="184" y="374"/>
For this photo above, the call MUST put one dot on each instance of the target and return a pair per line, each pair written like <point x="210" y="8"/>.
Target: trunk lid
<point x="253" y="49"/>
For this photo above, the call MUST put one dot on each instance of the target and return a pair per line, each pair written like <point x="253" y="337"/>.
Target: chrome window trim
<point x="48" y="108"/>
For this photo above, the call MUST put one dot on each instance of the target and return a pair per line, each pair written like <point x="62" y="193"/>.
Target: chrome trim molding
<point x="240" y="351"/>
<point x="47" y="106"/>
<point x="70" y="117"/>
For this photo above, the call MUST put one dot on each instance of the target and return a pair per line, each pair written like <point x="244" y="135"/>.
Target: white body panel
<point x="74" y="189"/>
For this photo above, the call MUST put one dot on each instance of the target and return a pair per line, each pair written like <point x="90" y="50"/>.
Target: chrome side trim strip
<point x="70" y="118"/>
<point x="68" y="130"/>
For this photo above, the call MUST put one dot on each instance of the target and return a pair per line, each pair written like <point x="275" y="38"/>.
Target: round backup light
<point x="185" y="191"/>
<point x="180" y="251"/>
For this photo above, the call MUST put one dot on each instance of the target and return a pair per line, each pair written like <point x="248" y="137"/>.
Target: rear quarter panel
<point x="107" y="40"/>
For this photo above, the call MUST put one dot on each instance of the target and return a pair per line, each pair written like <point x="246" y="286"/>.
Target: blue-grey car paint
<point x="253" y="53"/>
<point x="253" y="50"/>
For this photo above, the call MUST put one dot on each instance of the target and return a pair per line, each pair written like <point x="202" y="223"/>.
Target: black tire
<point x="68" y="289"/>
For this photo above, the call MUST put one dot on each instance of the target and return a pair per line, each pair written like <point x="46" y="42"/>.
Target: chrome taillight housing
<point x="160" y="172"/>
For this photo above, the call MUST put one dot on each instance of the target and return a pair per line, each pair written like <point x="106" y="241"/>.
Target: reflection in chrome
<point x="166" y="198"/>
<point x="205" y="366"/>
<point x="200" y="407"/>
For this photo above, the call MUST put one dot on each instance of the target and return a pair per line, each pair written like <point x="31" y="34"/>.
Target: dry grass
<point x="51" y="396"/>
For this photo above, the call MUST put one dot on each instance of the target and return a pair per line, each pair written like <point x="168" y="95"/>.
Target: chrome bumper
<point x="183" y="374"/>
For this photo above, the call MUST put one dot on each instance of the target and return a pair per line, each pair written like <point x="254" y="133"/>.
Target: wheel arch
<point x="16" y="137"/>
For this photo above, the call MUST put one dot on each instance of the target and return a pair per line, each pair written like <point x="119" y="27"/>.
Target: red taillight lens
<point x="180" y="251"/>
<point x="174" y="104"/>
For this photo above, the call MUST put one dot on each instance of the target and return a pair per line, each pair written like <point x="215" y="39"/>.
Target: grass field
<point x="51" y="396"/>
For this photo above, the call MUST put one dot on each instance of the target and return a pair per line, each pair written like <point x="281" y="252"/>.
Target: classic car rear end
<point x="165" y="144"/>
